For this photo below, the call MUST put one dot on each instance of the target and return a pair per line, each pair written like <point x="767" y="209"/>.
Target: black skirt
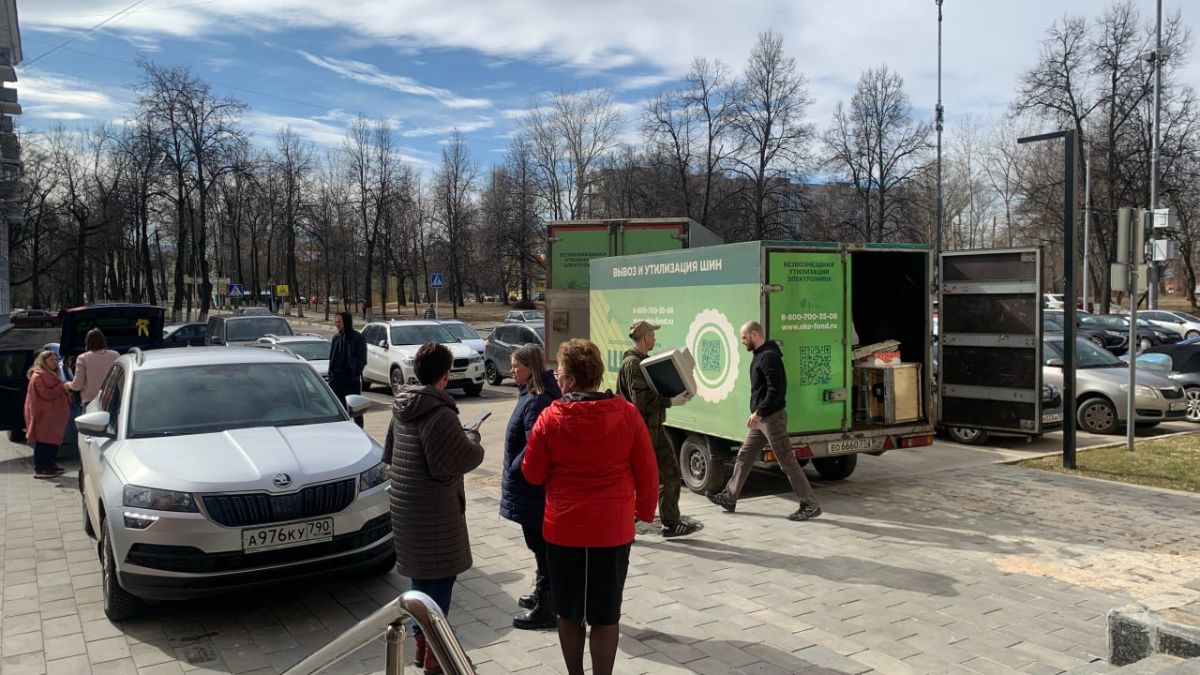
<point x="587" y="583"/>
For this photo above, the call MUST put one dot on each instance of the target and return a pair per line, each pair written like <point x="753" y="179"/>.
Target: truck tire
<point x="835" y="468"/>
<point x="701" y="469"/>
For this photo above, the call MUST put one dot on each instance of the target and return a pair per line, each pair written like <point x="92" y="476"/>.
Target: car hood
<point x="248" y="459"/>
<point x="475" y="345"/>
<point x="1114" y="377"/>
<point x="458" y="350"/>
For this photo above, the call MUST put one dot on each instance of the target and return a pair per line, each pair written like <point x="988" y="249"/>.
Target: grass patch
<point x="1167" y="463"/>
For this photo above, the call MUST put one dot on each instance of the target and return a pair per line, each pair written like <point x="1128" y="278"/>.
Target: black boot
<point x="541" y="615"/>
<point x="528" y="600"/>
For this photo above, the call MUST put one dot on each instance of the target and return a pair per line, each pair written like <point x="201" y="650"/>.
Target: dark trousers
<point x="771" y="429"/>
<point x="537" y="544"/>
<point x="44" y="456"/>
<point x="668" y="476"/>
<point x="437" y="589"/>
<point x="343" y="386"/>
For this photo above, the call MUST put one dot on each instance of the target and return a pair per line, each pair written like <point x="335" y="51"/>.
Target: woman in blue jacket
<point x="520" y="501"/>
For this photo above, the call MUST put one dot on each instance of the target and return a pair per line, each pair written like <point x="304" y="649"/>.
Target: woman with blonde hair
<point x="92" y="366"/>
<point x="592" y="452"/>
<point x="521" y="501"/>
<point x="47" y="411"/>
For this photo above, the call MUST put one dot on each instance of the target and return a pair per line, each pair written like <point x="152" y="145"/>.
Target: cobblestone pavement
<point x="971" y="569"/>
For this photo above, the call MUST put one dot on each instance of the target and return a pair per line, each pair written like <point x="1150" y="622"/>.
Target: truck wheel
<point x="835" y="468"/>
<point x="967" y="436"/>
<point x="119" y="604"/>
<point x="702" y="471"/>
<point x="1097" y="416"/>
<point x="492" y="374"/>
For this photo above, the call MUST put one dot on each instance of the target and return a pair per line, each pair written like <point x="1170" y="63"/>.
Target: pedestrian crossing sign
<point x="437" y="280"/>
<point x="236" y="291"/>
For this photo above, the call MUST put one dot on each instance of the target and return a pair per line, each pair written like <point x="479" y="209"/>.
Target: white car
<point x="1185" y="324"/>
<point x="210" y="470"/>
<point x="392" y="347"/>
<point x="308" y="347"/>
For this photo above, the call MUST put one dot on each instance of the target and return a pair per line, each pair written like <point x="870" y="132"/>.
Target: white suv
<point x="217" y="469"/>
<point x="392" y="346"/>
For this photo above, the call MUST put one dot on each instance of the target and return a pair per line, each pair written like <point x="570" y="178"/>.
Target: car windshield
<point x="533" y="316"/>
<point x="252" y="328"/>
<point x="312" y="350"/>
<point x="541" y="331"/>
<point x="462" y="331"/>
<point x="1052" y="322"/>
<point x="419" y="335"/>
<point x="1087" y="355"/>
<point x="240" y="394"/>
<point x="1187" y="317"/>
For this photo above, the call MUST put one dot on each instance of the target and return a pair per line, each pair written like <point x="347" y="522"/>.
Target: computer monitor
<point x="671" y="373"/>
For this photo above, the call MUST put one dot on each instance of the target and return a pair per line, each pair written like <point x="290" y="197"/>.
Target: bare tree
<point x="454" y="184"/>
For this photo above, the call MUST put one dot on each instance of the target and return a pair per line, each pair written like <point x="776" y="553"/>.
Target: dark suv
<point x="506" y="339"/>
<point x="241" y="329"/>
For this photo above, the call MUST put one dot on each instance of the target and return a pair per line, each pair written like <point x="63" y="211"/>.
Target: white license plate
<point x="1051" y="417"/>
<point x="851" y="445"/>
<point x="1178" y="405"/>
<point x="283" y="536"/>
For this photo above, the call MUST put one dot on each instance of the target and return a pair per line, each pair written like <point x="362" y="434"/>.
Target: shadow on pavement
<point x="769" y="659"/>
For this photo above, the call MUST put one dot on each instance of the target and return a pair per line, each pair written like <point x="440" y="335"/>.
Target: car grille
<point x="259" y="509"/>
<point x="193" y="560"/>
<point x="1171" y="393"/>
<point x="461" y="363"/>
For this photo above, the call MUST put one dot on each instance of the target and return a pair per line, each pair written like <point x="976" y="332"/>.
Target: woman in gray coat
<point x="430" y="453"/>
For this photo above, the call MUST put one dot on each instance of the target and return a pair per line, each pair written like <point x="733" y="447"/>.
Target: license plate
<point x="283" y="536"/>
<point x="1178" y="405"/>
<point x="1052" y="417"/>
<point x="851" y="445"/>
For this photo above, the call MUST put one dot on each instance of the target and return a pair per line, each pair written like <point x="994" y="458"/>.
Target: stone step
<point x="1161" y="664"/>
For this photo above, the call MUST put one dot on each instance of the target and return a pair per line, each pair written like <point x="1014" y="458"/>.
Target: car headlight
<point x="159" y="500"/>
<point x="408" y="362"/>
<point x="478" y="358"/>
<point x="376" y="475"/>
<point x="1141" y="391"/>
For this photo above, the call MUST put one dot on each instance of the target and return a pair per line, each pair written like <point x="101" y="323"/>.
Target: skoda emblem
<point x="281" y="480"/>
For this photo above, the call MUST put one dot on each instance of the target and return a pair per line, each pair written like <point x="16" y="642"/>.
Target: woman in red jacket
<point x="47" y="409"/>
<point x="593" y="453"/>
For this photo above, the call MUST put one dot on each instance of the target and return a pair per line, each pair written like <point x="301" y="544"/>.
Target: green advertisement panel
<point x="570" y="254"/>
<point x="806" y="315"/>
<point x="706" y="320"/>
<point x="649" y="239"/>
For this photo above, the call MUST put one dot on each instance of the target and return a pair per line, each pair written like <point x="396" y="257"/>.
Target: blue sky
<point x="435" y="65"/>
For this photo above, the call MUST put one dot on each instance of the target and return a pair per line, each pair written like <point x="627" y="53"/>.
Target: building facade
<point x="10" y="147"/>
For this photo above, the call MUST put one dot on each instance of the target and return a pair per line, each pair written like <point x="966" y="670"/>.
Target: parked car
<point x="184" y="334"/>
<point x="1185" y="371"/>
<point x="188" y="500"/>
<point x="244" y="329"/>
<point x="255" y="311"/>
<point x="392" y="346"/>
<point x="308" y="347"/>
<point x="1149" y="334"/>
<point x="506" y="339"/>
<point x="1183" y="323"/>
<point x="1111" y="338"/>
<point x="1102" y="386"/>
<point x="524" y="316"/>
<point x="1052" y="300"/>
<point x="464" y="333"/>
<point x="34" y="318"/>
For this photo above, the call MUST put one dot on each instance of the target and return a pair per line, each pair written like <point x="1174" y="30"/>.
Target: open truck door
<point x="990" y="360"/>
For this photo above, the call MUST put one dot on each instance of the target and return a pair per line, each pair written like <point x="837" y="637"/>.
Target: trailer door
<point x="990" y="348"/>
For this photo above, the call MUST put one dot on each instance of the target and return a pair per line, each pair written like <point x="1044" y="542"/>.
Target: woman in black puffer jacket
<point x="520" y="501"/>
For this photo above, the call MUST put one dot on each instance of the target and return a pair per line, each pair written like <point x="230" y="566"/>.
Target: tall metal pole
<point x="1152" y="282"/>
<point x="1132" y="279"/>
<point x="1087" y="225"/>
<point x="939" y="116"/>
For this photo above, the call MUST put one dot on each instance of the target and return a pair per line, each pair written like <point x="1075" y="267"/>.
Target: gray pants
<point x="771" y="429"/>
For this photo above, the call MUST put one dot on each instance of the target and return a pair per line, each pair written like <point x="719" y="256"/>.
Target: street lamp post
<point x="1068" y="135"/>
<point x="1152" y="282"/>
<point x="1087" y="225"/>
<point x="939" y="115"/>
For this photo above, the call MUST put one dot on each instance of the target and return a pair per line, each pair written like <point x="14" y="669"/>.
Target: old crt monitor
<point x="671" y="373"/>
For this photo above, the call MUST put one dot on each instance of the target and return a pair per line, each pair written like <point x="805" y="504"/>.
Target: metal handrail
<point x="390" y="619"/>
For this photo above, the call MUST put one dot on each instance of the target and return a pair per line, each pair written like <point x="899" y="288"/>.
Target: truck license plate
<point x="283" y="536"/>
<point x="850" y="445"/>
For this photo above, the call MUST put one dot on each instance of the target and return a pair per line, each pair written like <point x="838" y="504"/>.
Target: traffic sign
<point x="437" y="280"/>
<point x="236" y="291"/>
<point x="281" y="291"/>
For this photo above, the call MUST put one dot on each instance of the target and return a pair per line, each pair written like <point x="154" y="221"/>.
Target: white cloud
<point x="265" y="126"/>
<point x="48" y="95"/>
<point x="496" y="86"/>
<point x="464" y="127"/>
<point x="367" y="73"/>
<point x="644" y="82"/>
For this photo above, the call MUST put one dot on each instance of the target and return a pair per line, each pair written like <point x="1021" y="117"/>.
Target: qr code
<point x="710" y="355"/>
<point x="816" y="365"/>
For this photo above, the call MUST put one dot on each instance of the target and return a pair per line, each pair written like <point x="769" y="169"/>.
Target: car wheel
<point x="16" y="435"/>
<point x="492" y="373"/>
<point x="1098" y="416"/>
<point x="1193" y="403"/>
<point x="1144" y="344"/>
<point x="119" y="604"/>
<point x="1192" y="334"/>
<point x="967" y="436"/>
<point x="473" y="389"/>
<point x="835" y="468"/>
<point x="701" y="470"/>
<point x="1097" y="340"/>
<point x="87" y="520"/>
<point x="396" y="378"/>
<point x="385" y="566"/>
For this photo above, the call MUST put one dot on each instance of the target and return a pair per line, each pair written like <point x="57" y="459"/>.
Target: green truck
<point x="572" y="244"/>
<point x="819" y="300"/>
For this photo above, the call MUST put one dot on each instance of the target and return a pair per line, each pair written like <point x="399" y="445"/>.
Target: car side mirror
<point x="383" y="343"/>
<point x="1054" y="363"/>
<point x="94" y="423"/>
<point x="357" y="404"/>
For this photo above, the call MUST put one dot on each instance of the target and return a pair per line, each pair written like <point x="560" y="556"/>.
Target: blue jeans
<point x="44" y="455"/>
<point x="437" y="589"/>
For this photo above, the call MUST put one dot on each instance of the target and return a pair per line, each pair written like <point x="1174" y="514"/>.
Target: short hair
<point x="754" y="327"/>
<point x="530" y="356"/>
<point x="95" y="340"/>
<point x="580" y="360"/>
<point x="432" y="362"/>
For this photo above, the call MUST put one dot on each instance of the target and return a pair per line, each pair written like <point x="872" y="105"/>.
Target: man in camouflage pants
<point x="632" y="385"/>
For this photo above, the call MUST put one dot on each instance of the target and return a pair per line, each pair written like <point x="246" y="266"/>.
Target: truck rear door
<point x="989" y="346"/>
